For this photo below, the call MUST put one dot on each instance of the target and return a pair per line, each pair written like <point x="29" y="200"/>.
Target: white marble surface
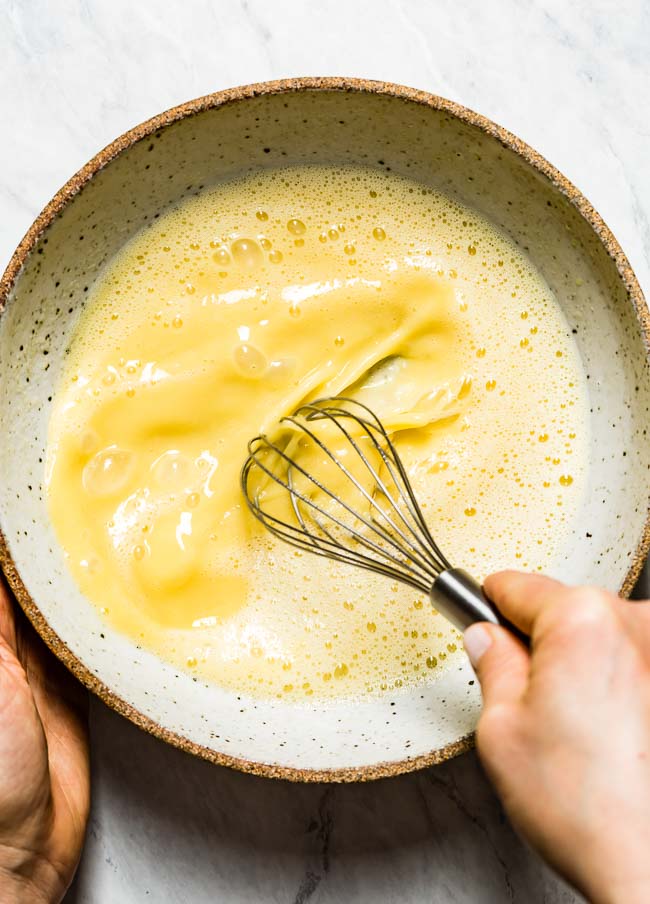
<point x="573" y="79"/>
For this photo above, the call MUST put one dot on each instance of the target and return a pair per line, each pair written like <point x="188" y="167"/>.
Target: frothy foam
<point x="490" y="410"/>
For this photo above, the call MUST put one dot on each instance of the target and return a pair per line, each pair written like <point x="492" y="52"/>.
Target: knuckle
<point x="496" y="725"/>
<point x="581" y="609"/>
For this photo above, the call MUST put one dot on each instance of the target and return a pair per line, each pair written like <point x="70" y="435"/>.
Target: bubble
<point x="250" y="361"/>
<point x="193" y="500"/>
<point x="543" y="437"/>
<point x="138" y="553"/>
<point x="247" y="253"/>
<point x="294" y="310"/>
<point x="108" y="472"/>
<point x="490" y="385"/>
<point x="566" y="480"/>
<point x="265" y="244"/>
<point x="378" y="233"/>
<point x="432" y="662"/>
<point x="262" y="215"/>
<point x="296" y="227"/>
<point x="282" y="368"/>
<point x="349" y="249"/>
<point x="332" y="234"/>
<point x="171" y="470"/>
<point x="177" y="322"/>
<point x="322" y="237"/>
<point x="221" y="257"/>
<point x="275" y="257"/>
<point x="470" y="512"/>
<point x="339" y="341"/>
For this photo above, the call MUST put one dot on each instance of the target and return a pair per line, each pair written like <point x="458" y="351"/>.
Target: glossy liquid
<point x="224" y="315"/>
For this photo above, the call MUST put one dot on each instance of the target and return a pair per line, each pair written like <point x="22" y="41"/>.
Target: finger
<point x="500" y="661"/>
<point x="522" y="597"/>
<point x="62" y="706"/>
<point x="7" y="616"/>
<point x="49" y="679"/>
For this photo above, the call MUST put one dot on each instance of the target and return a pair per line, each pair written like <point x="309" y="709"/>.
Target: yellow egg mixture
<point x="227" y="312"/>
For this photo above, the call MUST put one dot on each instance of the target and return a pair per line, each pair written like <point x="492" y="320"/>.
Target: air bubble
<point x="171" y="471"/>
<point x="108" y="472"/>
<point x="250" y="360"/>
<point x="247" y="253"/>
<point x="296" y="227"/>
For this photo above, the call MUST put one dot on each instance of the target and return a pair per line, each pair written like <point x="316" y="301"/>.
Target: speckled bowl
<point x="304" y="121"/>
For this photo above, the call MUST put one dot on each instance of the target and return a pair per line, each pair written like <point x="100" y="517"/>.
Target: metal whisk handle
<point x="457" y="596"/>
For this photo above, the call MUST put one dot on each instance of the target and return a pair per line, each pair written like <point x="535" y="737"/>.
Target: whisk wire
<point x="370" y="522"/>
<point x="402" y="484"/>
<point x="332" y="549"/>
<point x="396" y="543"/>
<point x="308" y="541"/>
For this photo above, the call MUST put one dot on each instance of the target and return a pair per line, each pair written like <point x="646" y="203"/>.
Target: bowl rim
<point x="213" y="101"/>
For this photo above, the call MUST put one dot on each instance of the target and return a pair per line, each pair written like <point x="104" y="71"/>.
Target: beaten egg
<point x="227" y="312"/>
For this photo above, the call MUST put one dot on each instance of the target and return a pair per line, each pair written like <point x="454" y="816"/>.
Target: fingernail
<point x="477" y="639"/>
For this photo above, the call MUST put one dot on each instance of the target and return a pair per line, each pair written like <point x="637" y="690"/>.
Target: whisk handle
<point x="461" y="599"/>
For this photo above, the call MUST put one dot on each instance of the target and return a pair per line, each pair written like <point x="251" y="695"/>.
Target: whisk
<point x="330" y="481"/>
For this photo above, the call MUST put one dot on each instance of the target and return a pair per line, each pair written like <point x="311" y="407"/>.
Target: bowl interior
<point x="413" y="135"/>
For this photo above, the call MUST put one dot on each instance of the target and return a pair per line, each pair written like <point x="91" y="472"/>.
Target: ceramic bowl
<point x="291" y="122"/>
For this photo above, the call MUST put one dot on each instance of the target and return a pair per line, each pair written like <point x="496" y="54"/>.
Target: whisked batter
<point x="226" y="313"/>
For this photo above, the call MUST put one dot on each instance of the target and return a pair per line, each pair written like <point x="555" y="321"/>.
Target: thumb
<point x="500" y="661"/>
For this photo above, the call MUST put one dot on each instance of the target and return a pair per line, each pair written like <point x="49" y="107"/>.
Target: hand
<point x="565" y="729"/>
<point x="44" y="767"/>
